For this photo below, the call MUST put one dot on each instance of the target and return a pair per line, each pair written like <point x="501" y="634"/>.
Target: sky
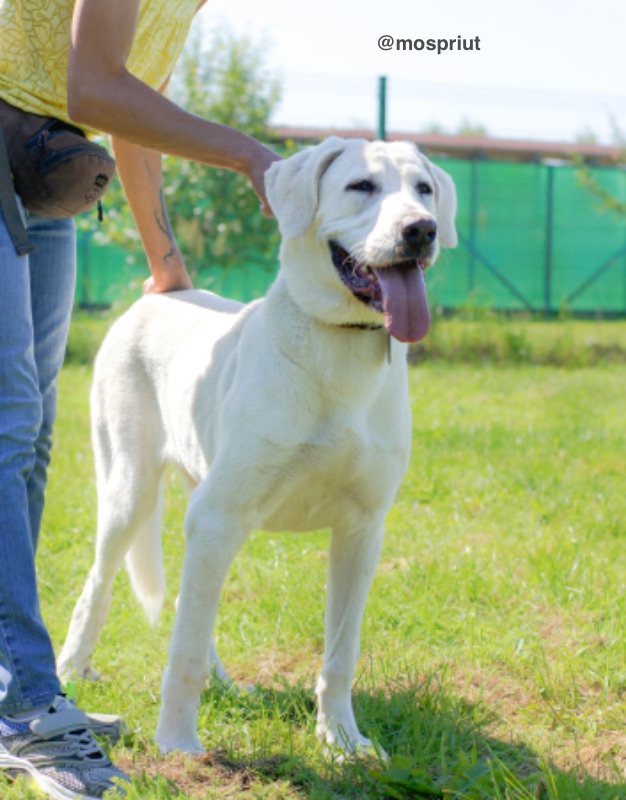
<point x="541" y="69"/>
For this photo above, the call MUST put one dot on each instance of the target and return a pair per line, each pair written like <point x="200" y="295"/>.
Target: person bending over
<point x="101" y="66"/>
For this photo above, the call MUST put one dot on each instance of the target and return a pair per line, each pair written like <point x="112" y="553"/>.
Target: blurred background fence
<point x="107" y="275"/>
<point x="531" y="237"/>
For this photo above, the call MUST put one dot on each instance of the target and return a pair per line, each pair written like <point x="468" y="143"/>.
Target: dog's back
<point x="158" y="324"/>
<point x="141" y="349"/>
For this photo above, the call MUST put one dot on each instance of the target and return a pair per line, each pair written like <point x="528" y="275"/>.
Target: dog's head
<point x="360" y="222"/>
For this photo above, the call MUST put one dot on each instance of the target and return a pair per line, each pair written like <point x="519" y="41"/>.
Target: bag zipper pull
<point x="43" y="138"/>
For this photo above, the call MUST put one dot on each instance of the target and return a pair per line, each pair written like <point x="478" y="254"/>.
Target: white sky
<point x="545" y="69"/>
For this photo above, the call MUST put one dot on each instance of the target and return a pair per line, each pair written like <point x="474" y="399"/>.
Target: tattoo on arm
<point x="163" y="223"/>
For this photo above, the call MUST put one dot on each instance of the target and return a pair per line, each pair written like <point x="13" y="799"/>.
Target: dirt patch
<point x="503" y="696"/>
<point x="601" y="756"/>
<point x="287" y="667"/>
<point x="214" y="771"/>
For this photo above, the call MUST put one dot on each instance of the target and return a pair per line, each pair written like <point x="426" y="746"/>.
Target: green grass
<point x="493" y="662"/>
<point x="489" y="337"/>
<point x="471" y="336"/>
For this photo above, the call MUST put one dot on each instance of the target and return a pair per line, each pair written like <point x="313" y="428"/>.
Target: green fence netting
<point x="106" y="275"/>
<point x="531" y="237"/>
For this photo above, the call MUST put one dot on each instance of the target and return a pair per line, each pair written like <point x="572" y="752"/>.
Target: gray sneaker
<point x="60" y="752"/>
<point x="106" y="726"/>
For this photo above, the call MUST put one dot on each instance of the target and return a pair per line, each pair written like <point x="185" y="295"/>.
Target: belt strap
<point x="15" y="224"/>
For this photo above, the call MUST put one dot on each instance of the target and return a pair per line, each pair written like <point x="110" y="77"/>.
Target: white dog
<point x="287" y="414"/>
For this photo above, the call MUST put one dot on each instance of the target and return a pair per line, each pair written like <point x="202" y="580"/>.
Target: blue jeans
<point x="36" y="297"/>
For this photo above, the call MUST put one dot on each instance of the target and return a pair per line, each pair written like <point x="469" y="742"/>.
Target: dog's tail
<point x="144" y="562"/>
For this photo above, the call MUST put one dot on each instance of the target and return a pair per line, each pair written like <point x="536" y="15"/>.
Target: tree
<point x="608" y="201"/>
<point x="469" y="128"/>
<point x="214" y="213"/>
<point x="586" y="136"/>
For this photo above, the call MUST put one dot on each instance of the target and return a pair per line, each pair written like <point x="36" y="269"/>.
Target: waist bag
<point x="56" y="170"/>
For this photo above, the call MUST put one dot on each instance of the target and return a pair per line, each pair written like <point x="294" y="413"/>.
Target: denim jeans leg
<point x="53" y="282"/>
<point x="35" y="304"/>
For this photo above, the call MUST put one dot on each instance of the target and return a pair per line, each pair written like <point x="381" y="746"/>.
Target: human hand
<point x="260" y="161"/>
<point x="167" y="280"/>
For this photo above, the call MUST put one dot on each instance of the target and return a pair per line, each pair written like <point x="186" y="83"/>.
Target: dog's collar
<point x="362" y="326"/>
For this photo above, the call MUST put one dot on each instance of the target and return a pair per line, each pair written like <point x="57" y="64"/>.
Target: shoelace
<point x="85" y="745"/>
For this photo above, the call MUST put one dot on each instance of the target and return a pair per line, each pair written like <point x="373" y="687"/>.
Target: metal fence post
<point x="473" y="223"/>
<point x="84" y="273"/>
<point x="382" y="107"/>
<point x="547" y="285"/>
<point x="624" y="303"/>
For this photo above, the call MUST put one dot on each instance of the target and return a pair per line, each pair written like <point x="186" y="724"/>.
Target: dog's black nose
<point x="421" y="232"/>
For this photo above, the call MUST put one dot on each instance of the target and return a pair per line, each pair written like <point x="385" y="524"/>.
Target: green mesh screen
<point x="530" y="237"/>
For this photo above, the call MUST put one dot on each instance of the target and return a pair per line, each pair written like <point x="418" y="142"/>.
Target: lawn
<point x="493" y="662"/>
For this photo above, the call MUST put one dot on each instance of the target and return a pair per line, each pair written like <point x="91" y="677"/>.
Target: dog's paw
<point x="352" y="750"/>
<point x="68" y="671"/>
<point x="190" y="744"/>
<point x="341" y="744"/>
<point x="177" y="731"/>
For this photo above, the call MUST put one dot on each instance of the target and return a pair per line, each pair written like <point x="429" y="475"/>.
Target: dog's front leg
<point x="353" y="559"/>
<point x="213" y="539"/>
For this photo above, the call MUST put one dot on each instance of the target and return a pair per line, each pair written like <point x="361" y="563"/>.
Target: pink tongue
<point x="407" y="317"/>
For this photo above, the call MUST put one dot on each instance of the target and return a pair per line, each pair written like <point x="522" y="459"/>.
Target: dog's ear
<point x="292" y="185"/>
<point x="445" y="198"/>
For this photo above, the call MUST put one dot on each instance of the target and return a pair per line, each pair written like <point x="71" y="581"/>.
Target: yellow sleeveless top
<point x="34" y="48"/>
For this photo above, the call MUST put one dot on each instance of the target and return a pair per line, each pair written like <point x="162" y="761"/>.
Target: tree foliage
<point x="589" y="179"/>
<point x="214" y="213"/>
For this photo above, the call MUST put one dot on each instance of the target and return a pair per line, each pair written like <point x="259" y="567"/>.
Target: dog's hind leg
<point x="354" y="555"/>
<point x="144" y="560"/>
<point x="129" y="502"/>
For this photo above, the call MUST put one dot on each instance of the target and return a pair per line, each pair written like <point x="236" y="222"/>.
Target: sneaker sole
<point x="47" y="785"/>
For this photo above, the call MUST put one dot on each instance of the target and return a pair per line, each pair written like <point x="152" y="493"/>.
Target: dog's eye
<point x="424" y="188"/>
<point x="362" y="186"/>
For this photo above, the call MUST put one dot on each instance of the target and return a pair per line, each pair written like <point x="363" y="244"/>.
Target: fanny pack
<point x="56" y="170"/>
<point x="51" y="164"/>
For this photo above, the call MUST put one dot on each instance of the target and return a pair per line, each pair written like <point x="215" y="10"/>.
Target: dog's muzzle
<point x="396" y="290"/>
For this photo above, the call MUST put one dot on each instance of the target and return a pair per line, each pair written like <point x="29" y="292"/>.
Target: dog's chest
<point x="337" y="474"/>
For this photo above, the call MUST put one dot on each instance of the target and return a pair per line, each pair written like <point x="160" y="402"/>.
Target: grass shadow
<point x="438" y="743"/>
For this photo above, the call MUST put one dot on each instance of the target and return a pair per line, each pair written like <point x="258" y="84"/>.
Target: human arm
<point x="104" y="95"/>
<point x="140" y="172"/>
